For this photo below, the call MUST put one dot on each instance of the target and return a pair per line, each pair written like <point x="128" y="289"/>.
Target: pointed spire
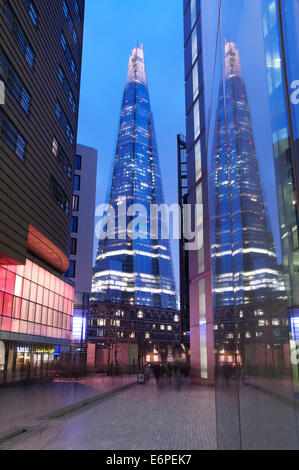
<point x="232" y="60"/>
<point x="136" y="68"/>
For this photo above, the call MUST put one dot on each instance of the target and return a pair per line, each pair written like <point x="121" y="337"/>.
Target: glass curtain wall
<point x="250" y="63"/>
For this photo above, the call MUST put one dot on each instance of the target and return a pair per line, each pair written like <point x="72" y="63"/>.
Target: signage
<point x="2" y="354"/>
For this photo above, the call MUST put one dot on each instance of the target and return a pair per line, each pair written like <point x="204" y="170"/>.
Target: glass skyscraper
<point x="242" y="105"/>
<point x="243" y="255"/>
<point x="135" y="269"/>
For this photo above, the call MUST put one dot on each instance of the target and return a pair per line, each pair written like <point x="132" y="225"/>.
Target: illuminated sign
<point x="2" y="354"/>
<point x="23" y="350"/>
<point x="45" y="351"/>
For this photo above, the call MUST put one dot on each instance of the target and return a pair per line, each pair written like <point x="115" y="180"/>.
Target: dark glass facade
<point x="38" y="127"/>
<point x="135" y="270"/>
<point x="248" y="120"/>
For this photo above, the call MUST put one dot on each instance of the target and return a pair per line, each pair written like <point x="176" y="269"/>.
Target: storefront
<point x="21" y="362"/>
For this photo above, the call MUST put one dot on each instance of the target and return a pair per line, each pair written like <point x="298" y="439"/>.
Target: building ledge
<point x="42" y="247"/>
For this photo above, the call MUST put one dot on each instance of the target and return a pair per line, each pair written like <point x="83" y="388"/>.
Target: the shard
<point x="243" y="255"/>
<point x="135" y="270"/>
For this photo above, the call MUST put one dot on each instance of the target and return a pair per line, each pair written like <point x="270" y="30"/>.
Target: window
<point x="69" y="58"/>
<point x="78" y="162"/>
<point x="30" y="7"/>
<point x="18" y="34"/>
<point x="140" y="314"/>
<point x="77" y="183"/>
<point x="100" y="333"/>
<point x="72" y="269"/>
<point x="11" y="136"/>
<point x="63" y="160"/>
<point x="76" y="203"/>
<point x="196" y="117"/>
<point x="195" y="81"/>
<point x="77" y="9"/>
<point x="67" y="89"/>
<point x="101" y="322"/>
<point x="13" y="82"/>
<point x="193" y="12"/>
<point x="194" y="46"/>
<point x="73" y="250"/>
<point x="64" y="123"/>
<point x="203" y="329"/>
<point x="60" y="196"/>
<point x="74" y="225"/>
<point x="55" y="147"/>
<point x="198" y="163"/>
<point x="70" y="22"/>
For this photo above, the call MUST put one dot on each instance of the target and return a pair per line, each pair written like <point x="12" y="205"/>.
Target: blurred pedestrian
<point x="156" y="372"/>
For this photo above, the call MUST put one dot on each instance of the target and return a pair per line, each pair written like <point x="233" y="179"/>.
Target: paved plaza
<point x="26" y="405"/>
<point x="176" y="416"/>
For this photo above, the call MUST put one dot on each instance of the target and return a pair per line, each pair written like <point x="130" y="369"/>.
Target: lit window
<point x="55" y="147"/>
<point x="76" y="203"/>
<point x="18" y="34"/>
<point x="30" y="7"/>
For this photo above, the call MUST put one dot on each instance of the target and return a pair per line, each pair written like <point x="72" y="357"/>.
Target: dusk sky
<point x="112" y="30"/>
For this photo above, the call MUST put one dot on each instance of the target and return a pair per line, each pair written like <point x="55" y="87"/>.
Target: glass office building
<point x="243" y="99"/>
<point x="135" y="269"/>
